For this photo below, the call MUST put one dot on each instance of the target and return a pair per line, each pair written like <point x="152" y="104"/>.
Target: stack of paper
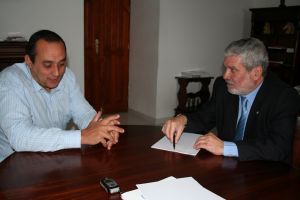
<point x="170" y="188"/>
<point x="184" y="145"/>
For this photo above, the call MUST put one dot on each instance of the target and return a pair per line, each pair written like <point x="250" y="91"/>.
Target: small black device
<point x="110" y="185"/>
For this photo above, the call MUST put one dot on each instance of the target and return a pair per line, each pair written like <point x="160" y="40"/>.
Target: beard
<point x="232" y="90"/>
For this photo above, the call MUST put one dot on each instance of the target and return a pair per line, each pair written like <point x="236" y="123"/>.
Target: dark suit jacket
<point x="270" y="125"/>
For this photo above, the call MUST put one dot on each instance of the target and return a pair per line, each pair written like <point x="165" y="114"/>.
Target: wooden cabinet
<point x="11" y="52"/>
<point x="296" y="147"/>
<point x="279" y="29"/>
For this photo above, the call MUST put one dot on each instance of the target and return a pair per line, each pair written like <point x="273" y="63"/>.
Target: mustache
<point x="229" y="81"/>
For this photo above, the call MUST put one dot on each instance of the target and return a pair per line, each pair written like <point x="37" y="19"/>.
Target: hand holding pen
<point x="173" y="128"/>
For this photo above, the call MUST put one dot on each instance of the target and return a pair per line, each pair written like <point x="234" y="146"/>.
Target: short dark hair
<point x="46" y="35"/>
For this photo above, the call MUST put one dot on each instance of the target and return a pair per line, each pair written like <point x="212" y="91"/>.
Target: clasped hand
<point x="104" y="131"/>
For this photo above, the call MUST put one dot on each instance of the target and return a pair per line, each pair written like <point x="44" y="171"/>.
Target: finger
<point x="111" y="118"/>
<point x="109" y="145"/>
<point x="176" y="131"/>
<point x="178" y="134"/>
<point x="105" y="134"/>
<point x="111" y="128"/>
<point x="169" y="133"/>
<point x="200" y="142"/>
<point x="109" y="122"/>
<point x="103" y="142"/>
<point x="114" y="122"/>
<point x="115" y="136"/>
<point x="97" y="116"/>
<point x="164" y="127"/>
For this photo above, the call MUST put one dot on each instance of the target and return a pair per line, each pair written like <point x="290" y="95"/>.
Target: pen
<point x="174" y="135"/>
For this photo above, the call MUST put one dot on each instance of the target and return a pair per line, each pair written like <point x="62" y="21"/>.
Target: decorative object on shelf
<point x="15" y="36"/>
<point x="267" y="28"/>
<point x="282" y="3"/>
<point x="289" y="28"/>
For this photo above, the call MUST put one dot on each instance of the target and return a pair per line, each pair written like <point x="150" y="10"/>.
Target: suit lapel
<point x="231" y="104"/>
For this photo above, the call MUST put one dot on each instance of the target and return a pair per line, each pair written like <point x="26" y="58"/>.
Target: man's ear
<point x="28" y="61"/>
<point x="257" y="72"/>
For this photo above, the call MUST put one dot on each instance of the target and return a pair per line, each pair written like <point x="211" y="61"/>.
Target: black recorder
<point x="110" y="185"/>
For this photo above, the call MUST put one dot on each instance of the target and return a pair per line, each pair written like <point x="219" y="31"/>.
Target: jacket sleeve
<point x="204" y="119"/>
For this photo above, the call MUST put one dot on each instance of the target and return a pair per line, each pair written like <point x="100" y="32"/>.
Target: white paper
<point x="132" y="195"/>
<point x="137" y="194"/>
<point x="176" y="189"/>
<point x="184" y="145"/>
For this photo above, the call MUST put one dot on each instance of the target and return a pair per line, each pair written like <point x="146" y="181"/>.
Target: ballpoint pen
<point x="174" y="136"/>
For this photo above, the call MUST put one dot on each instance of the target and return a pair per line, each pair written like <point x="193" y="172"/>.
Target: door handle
<point x="97" y="46"/>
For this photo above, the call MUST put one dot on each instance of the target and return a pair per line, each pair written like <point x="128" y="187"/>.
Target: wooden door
<point x="106" y="43"/>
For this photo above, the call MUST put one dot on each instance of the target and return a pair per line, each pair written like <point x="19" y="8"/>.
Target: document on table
<point x="170" y="188"/>
<point x="184" y="145"/>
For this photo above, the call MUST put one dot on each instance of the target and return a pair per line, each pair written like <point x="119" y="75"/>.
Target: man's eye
<point x="47" y="65"/>
<point x="62" y="64"/>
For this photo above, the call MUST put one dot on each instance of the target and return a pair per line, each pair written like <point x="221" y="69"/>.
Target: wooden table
<point x="75" y="174"/>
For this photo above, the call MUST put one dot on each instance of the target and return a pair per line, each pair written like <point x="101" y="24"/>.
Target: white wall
<point x="193" y="34"/>
<point x="64" y="17"/>
<point x="167" y="37"/>
<point x="143" y="60"/>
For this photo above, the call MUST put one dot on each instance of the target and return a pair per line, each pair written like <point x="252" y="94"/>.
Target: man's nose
<point x="55" y="70"/>
<point x="226" y="75"/>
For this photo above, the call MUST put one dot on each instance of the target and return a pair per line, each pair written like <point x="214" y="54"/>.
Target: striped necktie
<point x="239" y="133"/>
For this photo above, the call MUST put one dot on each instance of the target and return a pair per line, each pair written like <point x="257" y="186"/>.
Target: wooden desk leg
<point x="181" y="95"/>
<point x="204" y="92"/>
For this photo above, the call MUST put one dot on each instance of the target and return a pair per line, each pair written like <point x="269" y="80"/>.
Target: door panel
<point x="106" y="24"/>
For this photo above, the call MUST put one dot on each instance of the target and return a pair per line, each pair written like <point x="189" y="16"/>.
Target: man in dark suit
<point x="254" y="112"/>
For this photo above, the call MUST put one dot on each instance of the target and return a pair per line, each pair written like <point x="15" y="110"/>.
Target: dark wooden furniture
<point x="279" y="29"/>
<point x="189" y="102"/>
<point x="75" y="173"/>
<point x="296" y="149"/>
<point x="11" y="52"/>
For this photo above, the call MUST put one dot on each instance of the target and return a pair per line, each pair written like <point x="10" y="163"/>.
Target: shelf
<point x="279" y="29"/>
<point x="11" y="52"/>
